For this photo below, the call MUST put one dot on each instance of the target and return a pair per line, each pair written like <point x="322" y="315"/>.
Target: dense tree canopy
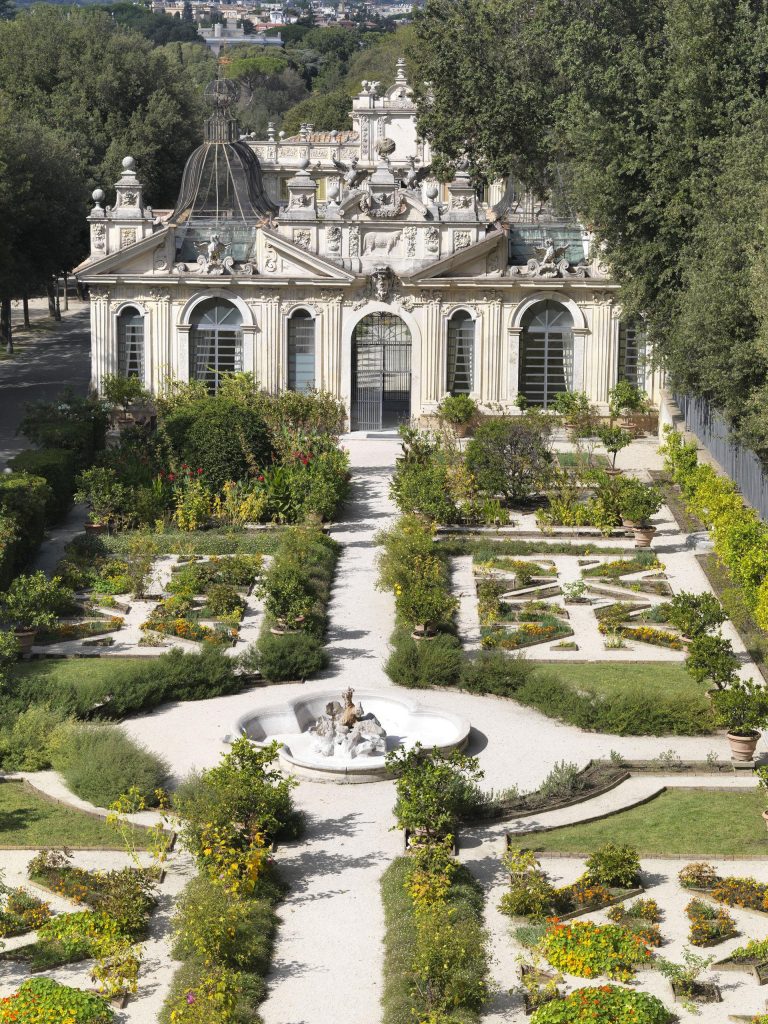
<point x="647" y="118"/>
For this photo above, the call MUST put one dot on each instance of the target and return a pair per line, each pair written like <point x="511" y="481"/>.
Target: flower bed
<point x="590" y="950"/>
<point x="605" y="1004"/>
<point x="68" y="938"/>
<point x="623" y="566"/>
<point x="45" y="1001"/>
<point x="64" y="631"/>
<point x="709" y="925"/>
<point x="641" y="917"/>
<point x="647" y="635"/>
<point x="21" y="912"/>
<point x="527" y="634"/>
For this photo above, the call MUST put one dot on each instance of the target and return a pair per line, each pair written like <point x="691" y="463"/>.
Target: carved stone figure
<point x="333" y="239"/>
<point x="99" y="235"/>
<point x="213" y="258"/>
<point x="381" y="283"/>
<point x="461" y="240"/>
<point x="549" y="261"/>
<point x="351" y="176"/>
<point x="127" y="237"/>
<point x="433" y="240"/>
<point x="410" y="241"/>
<point x="348" y="728"/>
<point x="354" y="240"/>
<point x="414" y="177"/>
<point x="303" y="239"/>
<point x="384" y="240"/>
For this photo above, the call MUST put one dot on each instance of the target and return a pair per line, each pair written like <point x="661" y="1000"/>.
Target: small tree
<point x="106" y="497"/>
<point x="433" y="789"/>
<point x="123" y="391"/>
<point x="695" y="614"/>
<point x="711" y="657"/>
<point x="511" y="456"/>
<point x="614" y="440"/>
<point x="742" y="708"/>
<point x="624" y="398"/>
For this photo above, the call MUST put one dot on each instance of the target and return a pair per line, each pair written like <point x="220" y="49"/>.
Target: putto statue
<point x="345" y="729"/>
<point x="213" y="257"/>
<point x="550" y="260"/>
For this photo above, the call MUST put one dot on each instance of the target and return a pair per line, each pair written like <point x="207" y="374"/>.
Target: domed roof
<point x="222" y="179"/>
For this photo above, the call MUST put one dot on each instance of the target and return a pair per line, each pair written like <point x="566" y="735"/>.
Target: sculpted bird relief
<point x="550" y="260"/>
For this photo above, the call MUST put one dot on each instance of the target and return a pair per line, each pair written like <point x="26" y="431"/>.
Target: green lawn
<point x="651" y="678"/>
<point x="29" y="820"/>
<point x="690" y="822"/>
<point x="80" y="673"/>
<point x="570" y="460"/>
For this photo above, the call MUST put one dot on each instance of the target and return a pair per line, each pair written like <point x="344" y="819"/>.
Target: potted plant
<point x="425" y="600"/>
<point x="31" y="603"/>
<point x="711" y="657"/>
<point x="460" y="411"/>
<point x="637" y="503"/>
<point x="624" y="400"/>
<point x="105" y="496"/>
<point x="287" y="596"/>
<point x="575" y="592"/>
<point x="122" y="392"/>
<point x="743" y="709"/>
<point x="575" y="410"/>
<point x="614" y="440"/>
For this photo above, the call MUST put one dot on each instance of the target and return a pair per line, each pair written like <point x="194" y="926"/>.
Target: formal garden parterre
<point x="195" y="585"/>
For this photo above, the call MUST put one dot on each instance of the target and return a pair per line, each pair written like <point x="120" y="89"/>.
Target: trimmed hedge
<point x="101" y="762"/>
<point x="420" y="664"/>
<point x="58" y="467"/>
<point x="23" y="503"/>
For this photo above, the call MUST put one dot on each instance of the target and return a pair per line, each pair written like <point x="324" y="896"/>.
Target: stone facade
<point x="405" y="289"/>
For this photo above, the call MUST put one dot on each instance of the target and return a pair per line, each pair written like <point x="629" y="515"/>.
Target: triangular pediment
<point x="486" y="258"/>
<point x="280" y="257"/>
<point x="132" y="260"/>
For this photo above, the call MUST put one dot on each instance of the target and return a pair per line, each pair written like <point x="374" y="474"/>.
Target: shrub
<point x="495" y="672"/>
<point x="78" y="424"/>
<point x="420" y="664"/>
<point x="510" y="456"/>
<point x="100" y="762"/>
<point x="711" y="657"/>
<point x="699" y="875"/>
<point x="45" y="1001"/>
<point x="742" y="708"/>
<point x="223" y="928"/>
<point x="695" y="614"/>
<point x="223" y="599"/>
<point x="422" y="486"/>
<point x="123" y="391"/>
<point x="425" y="599"/>
<point x="287" y="593"/>
<point x="288" y="657"/>
<point x="562" y="782"/>
<point x="605" y="1004"/>
<point x="35" y="602"/>
<point x="57" y="467"/>
<point x="457" y="409"/>
<point x="244" y="788"/>
<point x="203" y="993"/>
<point x="25" y="744"/>
<point x="530" y="895"/>
<point x="23" y="503"/>
<point x="225" y="439"/>
<point x="614" y="865"/>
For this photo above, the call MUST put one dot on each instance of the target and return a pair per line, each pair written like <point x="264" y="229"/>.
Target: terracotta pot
<point x="643" y="535"/>
<point x="613" y="471"/>
<point x="461" y="429"/>
<point x="743" y="747"/>
<point x="95" y="528"/>
<point x="26" y="638"/>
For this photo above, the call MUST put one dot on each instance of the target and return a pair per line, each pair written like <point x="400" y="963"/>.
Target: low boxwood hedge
<point x="58" y="467"/>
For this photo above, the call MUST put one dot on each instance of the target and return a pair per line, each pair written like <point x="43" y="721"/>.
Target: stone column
<point x="580" y="336"/>
<point x="180" y="355"/>
<point x="329" y="354"/>
<point x="268" y="360"/>
<point x="514" y="341"/>
<point x="488" y="383"/>
<point x="433" y="347"/>
<point x="157" y="341"/>
<point x="600" y="351"/>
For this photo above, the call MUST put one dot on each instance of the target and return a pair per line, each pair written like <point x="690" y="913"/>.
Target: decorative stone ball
<point x="128" y="163"/>
<point x="333" y="193"/>
<point x="98" y="195"/>
<point x="432" y="192"/>
<point x="304" y="164"/>
<point x="385" y="146"/>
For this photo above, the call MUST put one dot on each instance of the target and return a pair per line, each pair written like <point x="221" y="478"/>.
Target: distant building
<point x="228" y="33"/>
<point x="336" y="260"/>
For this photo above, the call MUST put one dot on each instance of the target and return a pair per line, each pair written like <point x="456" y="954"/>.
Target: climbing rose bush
<point x="589" y="950"/>
<point x="607" y="1004"/>
<point x="45" y="1001"/>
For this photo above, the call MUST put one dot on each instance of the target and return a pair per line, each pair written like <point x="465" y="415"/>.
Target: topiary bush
<point x="58" y="467"/>
<point x="101" y="762"/>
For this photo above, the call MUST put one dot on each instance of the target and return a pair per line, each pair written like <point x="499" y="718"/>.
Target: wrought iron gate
<point x="381" y="372"/>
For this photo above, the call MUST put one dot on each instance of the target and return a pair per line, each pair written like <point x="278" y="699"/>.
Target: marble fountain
<point x="346" y="741"/>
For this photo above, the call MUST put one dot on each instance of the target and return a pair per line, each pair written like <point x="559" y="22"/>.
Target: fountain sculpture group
<point x="347" y="729"/>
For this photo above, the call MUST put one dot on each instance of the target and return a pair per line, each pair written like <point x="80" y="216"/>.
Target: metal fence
<point x="741" y="464"/>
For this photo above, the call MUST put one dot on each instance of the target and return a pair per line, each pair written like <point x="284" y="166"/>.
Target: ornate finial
<point x="281" y="135"/>
<point x="129" y="164"/>
<point x="400" y="78"/>
<point x="271" y="131"/>
<point x="98" y="197"/>
<point x="221" y="94"/>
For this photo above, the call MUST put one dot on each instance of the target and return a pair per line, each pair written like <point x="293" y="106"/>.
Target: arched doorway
<point x="381" y="372"/>
<point x="216" y="342"/>
<point x="546" y="356"/>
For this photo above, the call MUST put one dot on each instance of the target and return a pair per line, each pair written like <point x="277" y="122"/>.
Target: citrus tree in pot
<point x="34" y="602"/>
<point x="122" y="392"/>
<point x="460" y="411"/>
<point x="711" y="657"/>
<point x="742" y="708"/>
<point x="575" y="410"/>
<point x="425" y="600"/>
<point x="614" y="440"/>
<point x="105" y="496"/>
<point x="637" y="503"/>
<point x="625" y="401"/>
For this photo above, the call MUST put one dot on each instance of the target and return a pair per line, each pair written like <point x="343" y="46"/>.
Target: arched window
<point x="461" y="354"/>
<point x="130" y="343"/>
<point x="301" y="351"/>
<point x="216" y="342"/>
<point x="632" y="357"/>
<point x="546" y="358"/>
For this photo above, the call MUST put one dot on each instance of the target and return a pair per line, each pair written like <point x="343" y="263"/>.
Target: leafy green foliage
<point x="511" y="456"/>
<point x="433" y="789"/>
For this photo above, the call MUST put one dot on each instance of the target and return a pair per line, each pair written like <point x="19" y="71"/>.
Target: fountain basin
<point x="406" y="723"/>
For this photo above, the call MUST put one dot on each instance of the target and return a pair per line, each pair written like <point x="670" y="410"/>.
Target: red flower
<point x="171" y="476"/>
<point x="199" y="471"/>
<point x="260" y="478"/>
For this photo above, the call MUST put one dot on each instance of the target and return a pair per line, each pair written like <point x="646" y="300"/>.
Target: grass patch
<point x="653" y="679"/>
<point x="715" y="823"/>
<point x="577" y="460"/>
<point x="197" y="542"/>
<point x="29" y="820"/>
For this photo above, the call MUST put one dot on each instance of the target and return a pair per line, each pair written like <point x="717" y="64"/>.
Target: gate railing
<point x="741" y="464"/>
